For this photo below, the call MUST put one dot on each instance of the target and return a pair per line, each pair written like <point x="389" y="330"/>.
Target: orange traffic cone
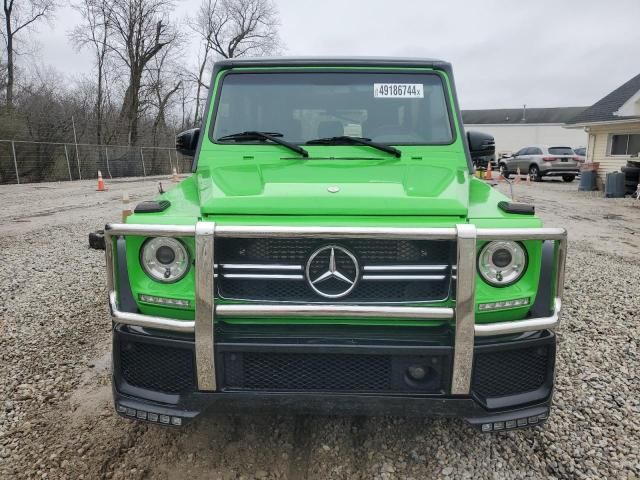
<point x="500" y="177"/>
<point x="518" y="180"/>
<point x="487" y="174"/>
<point x="101" y="187"/>
<point x="529" y="179"/>
<point x="174" y="177"/>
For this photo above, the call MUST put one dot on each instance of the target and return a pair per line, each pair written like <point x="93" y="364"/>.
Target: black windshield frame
<point x="446" y="89"/>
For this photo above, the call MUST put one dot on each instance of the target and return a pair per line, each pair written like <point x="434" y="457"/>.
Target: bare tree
<point x="3" y="73"/>
<point x="244" y="27"/>
<point x="20" y="16"/>
<point x="45" y="107"/>
<point x="233" y="28"/>
<point x="163" y="84"/>
<point x="203" y="25"/>
<point x="184" y="109"/>
<point x="94" y="33"/>
<point x="140" y="30"/>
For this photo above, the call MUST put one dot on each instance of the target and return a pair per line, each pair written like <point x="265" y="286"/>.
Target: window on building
<point x="634" y="145"/>
<point x="625" y="144"/>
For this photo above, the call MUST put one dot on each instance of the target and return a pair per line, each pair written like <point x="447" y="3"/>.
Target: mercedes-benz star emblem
<point x="332" y="271"/>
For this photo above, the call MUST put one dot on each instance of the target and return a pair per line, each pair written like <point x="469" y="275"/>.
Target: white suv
<point x="543" y="161"/>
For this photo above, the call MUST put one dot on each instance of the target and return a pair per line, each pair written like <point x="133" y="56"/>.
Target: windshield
<point x="390" y="108"/>
<point x="560" y="151"/>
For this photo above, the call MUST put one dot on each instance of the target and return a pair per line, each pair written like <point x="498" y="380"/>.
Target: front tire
<point x="534" y="172"/>
<point x="567" y="178"/>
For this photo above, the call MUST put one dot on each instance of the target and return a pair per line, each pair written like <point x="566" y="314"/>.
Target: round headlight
<point x="502" y="263"/>
<point x="164" y="259"/>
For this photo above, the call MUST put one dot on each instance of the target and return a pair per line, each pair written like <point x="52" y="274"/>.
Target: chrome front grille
<point x="259" y="271"/>
<point x="405" y="272"/>
<point x="386" y="271"/>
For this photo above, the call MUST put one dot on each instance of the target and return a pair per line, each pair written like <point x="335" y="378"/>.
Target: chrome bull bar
<point x="463" y="314"/>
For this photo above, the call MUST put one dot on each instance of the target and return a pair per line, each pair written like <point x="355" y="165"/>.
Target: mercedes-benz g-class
<point x="332" y="252"/>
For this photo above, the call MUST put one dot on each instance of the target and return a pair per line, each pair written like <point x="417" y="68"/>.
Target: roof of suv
<point x="332" y="61"/>
<point x="555" y="145"/>
<point x="545" y="148"/>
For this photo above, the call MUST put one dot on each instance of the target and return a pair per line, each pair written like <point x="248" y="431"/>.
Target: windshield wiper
<point x="271" y="136"/>
<point x="356" y="141"/>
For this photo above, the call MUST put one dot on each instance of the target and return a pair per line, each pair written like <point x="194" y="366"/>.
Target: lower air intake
<point x="288" y="371"/>
<point x="510" y="372"/>
<point x="159" y="368"/>
<point x="332" y="372"/>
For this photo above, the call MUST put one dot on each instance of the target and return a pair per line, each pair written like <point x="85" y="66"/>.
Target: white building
<point x="514" y="128"/>
<point x="613" y="128"/>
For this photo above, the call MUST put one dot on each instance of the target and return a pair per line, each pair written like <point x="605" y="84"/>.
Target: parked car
<point x="543" y="161"/>
<point x="581" y="152"/>
<point x="332" y="253"/>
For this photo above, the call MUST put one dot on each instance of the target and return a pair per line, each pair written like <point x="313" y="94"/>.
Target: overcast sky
<point x="505" y="53"/>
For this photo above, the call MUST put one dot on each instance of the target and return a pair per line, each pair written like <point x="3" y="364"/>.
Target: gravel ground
<point x="56" y="420"/>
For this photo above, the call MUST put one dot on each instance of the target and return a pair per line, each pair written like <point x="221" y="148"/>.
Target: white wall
<point x="514" y="137"/>
<point x="600" y="148"/>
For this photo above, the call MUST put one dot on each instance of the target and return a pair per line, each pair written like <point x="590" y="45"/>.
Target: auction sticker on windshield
<point x="398" y="90"/>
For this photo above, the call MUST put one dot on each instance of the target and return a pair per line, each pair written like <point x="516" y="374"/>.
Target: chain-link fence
<point x="29" y="162"/>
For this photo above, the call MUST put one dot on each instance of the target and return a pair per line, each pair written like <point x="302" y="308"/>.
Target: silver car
<point x="581" y="152"/>
<point x="543" y="161"/>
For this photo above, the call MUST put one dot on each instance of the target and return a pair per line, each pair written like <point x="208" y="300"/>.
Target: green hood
<point x="304" y="187"/>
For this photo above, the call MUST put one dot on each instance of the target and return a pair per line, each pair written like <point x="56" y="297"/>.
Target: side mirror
<point x="481" y="144"/>
<point x="187" y="142"/>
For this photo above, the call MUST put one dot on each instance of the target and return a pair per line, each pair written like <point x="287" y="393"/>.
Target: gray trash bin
<point x="614" y="186"/>
<point x="587" y="181"/>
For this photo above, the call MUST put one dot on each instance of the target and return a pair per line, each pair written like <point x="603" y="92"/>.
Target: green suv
<point x="332" y="252"/>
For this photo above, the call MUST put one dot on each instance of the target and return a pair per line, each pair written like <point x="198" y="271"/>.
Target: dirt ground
<point x="57" y="420"/>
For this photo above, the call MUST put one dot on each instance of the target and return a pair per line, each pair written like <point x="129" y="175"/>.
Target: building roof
<point x="603" y="110"/>
<point x="519" y="116"/>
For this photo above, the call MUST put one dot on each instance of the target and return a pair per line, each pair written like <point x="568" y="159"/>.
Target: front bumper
<point x="333" y="370"/>
<point x="466" y="338"/>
